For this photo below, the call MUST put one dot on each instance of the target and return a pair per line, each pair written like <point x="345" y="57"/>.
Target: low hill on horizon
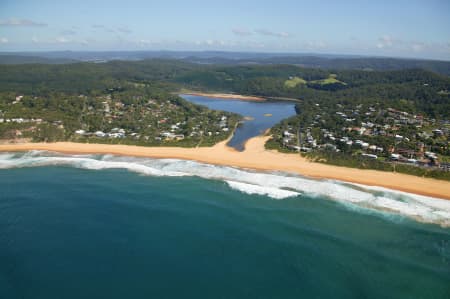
<point x="310" y="60"/>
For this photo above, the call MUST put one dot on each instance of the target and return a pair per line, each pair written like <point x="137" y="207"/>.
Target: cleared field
<point x="293" y="82"/>
<point x="330" y="80"/>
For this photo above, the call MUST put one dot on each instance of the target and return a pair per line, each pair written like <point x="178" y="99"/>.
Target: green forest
<point x="425" y="91"/>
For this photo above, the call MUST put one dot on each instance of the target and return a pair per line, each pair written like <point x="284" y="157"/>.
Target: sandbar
<point x="226" y="96"/>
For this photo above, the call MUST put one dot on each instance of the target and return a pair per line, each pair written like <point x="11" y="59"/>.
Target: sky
<point x="412" y="29"/>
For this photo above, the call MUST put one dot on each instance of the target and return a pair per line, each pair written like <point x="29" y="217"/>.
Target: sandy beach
<point x="254" y="157"/>
<point x="227" y="96"/>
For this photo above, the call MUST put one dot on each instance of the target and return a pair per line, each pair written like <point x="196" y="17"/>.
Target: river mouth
<point x="257" y="116"/>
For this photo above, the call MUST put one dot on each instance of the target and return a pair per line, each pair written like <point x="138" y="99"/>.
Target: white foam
<point x="274" y="185"/>
<point x="268" y="191"/>
<point x="34" y="160"/>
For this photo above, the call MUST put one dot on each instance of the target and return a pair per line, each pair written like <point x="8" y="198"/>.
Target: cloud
<point x="266" y="32"/>
<point x="386" y="41"/>
<point x="68" y="32"/>
<point x="118" y="30"/>
<point x="62" y="40"/>
<point x="212" y="42"/>
<point x="34" y="39"/>
<point x="4" y="40"/>
<point x="124" y="30"/>
<point x="389" y="45"/>
<point x="426" y="47"/>
<point x="315" y="45"/>
<point x="241" y="31"/>
<point x="418" y="46"/>
<point x="272" y="33"/>
<point x="21" y="22"/>
<point x="144" y="42"/>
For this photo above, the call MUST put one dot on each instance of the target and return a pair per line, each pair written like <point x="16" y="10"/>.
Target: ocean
<point x="101" y="226"/>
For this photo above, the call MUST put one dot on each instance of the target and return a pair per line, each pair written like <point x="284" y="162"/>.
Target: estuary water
<point x="99" y="226"/>
<point x="262" y="115"/>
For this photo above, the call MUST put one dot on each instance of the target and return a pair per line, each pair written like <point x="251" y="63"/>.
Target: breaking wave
<point x="275" y="185"/>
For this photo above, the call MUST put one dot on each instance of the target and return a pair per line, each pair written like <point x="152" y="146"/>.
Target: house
<point x="294" y="147"/>
<point x="116" y="135"/>
<point x="166" y="135"/>
<point x="395" y="157"/>
<point x="287" y="134"/>
<point x="437" y="133"/>
<point x="18" y="99"/>
<point x="106" y="107"/>
<point x="431" y="155"/>
<point x="445" y="166"/>
<point x="330" y="146"/>
<point x="100" y="134"/>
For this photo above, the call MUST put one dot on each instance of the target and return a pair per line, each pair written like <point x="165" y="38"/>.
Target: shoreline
<point x="227" y="96"/>
<point x="256" y="157"/>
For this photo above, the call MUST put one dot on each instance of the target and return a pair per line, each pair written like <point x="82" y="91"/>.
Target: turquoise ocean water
<point x="117" y="227"/>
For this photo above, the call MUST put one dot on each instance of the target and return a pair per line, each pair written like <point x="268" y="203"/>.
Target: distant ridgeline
<point x="310" y="60"/>
<point x="398" y="117"/>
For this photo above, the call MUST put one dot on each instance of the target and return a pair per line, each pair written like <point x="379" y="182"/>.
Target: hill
<point x="311" y="60"/>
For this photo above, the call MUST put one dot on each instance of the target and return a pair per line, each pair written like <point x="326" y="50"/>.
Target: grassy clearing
<point x="295" y="81"/>
<point x="330" y="80"/>
<point x="291" y="83"/>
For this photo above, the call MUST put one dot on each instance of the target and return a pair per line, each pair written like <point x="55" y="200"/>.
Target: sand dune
<point x="254" y="157"/>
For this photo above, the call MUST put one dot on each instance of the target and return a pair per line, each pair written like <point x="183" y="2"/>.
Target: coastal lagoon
<point x="102" y="226"/>
<point x="261" y="115"/>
